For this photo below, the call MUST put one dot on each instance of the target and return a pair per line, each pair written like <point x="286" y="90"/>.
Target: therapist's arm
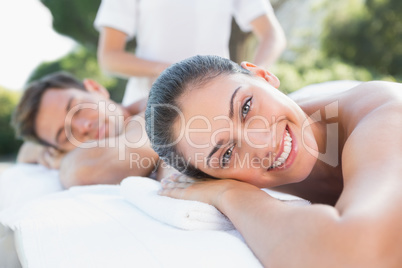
<point x="113" y="57"/>
<point x="271" y="39"/>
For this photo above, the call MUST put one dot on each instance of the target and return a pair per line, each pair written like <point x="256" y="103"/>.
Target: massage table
<point x="99" y="226"/>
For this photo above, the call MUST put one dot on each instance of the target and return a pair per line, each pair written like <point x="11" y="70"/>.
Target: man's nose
<point x="82" y="125"/>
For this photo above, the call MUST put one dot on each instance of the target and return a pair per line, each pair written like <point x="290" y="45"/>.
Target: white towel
<point x="183" y="214"/>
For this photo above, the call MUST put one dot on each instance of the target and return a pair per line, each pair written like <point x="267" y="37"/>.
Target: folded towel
<point x="287" y="198"/>
<point x="183" y="214"/>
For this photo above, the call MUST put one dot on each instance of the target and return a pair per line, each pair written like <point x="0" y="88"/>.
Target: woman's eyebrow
<point x="231" y="109"/>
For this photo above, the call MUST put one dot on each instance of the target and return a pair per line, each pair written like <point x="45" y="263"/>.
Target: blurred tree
<point x="367" y="33"/>
<point x="8" y="143"/>
<point x="82" y="63"/>
<point x="74" y="18"/>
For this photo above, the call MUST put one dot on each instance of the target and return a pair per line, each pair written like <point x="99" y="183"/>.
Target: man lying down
<point x="75" y="127"/>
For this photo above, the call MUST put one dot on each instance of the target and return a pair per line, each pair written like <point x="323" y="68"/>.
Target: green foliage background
<point x="8" y="100"/>
<point x="361" y="40"/>
<point x="367" y="35"/>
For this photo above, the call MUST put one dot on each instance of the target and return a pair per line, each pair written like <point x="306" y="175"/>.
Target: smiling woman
<point x="253" y="136"/>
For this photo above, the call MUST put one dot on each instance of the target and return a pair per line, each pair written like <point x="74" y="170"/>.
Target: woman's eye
<point x="226" y="157"/>
<point x="246" y="108"/>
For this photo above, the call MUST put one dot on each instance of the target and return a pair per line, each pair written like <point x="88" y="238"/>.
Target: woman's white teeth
<point x="286" y="150"/>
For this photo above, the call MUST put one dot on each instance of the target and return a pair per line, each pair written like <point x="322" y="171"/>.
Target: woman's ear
<point x="258" y="71"/>
<point x="93" y="86"/>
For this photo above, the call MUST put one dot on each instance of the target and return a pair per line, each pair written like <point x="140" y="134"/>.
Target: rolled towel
<point x="183" y="214"/>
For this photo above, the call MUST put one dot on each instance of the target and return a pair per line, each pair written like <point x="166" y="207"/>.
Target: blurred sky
<point x="26" y="40"/>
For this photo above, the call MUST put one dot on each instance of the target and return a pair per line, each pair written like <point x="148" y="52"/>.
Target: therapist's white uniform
<point x="172" y="30"/>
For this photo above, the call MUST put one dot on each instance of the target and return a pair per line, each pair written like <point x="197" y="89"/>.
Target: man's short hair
<point x="24" y="116"/>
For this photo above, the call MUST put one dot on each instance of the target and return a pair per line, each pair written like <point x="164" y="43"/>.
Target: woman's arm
<point x="114" y="58"/>
<point x="281" y="235"/>
<point x="362" y="230"/>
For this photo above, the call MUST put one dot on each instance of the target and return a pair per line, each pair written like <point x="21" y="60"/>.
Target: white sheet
<point x="24" y="182"/>
<point x="94" y="226"/>
<point x="18" y="185"/>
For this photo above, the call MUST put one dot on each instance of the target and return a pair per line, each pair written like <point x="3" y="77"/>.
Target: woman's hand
<point x="209" y="191"/>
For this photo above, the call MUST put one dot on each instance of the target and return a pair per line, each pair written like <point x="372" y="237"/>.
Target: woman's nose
<point x="257" y="148"/>
<point x="257" y="138"/>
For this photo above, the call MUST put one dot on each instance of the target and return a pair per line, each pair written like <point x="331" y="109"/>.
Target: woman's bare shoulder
<point x="377" y="90"/>
<point x="371" y="154"/>
<point x="365" y="99"/>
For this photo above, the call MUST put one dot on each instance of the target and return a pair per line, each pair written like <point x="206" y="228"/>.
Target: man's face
<point x="67" y="118"/>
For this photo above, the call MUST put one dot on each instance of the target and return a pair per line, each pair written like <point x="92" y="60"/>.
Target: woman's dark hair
<point x="163" y="107"/>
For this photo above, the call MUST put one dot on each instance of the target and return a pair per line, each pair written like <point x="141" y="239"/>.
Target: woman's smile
<point x="287" y="152"/>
